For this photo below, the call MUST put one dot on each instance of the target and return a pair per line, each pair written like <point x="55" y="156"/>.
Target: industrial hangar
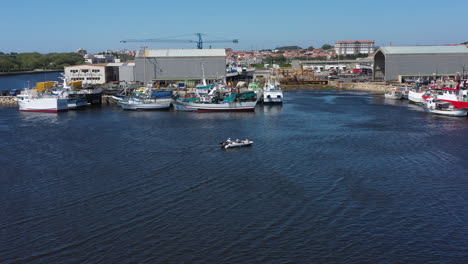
<point x="427" y="62"/>
<point x="175" y="65"/>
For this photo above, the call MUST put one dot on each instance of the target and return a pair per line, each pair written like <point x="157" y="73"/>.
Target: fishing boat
<point x="147" y="100"/>
<point x="438" y="107"/>
<point x="394" y="94"/>
<point x="219" y="99"/>
<point x="77" y="103"/>
<point x="416" y="96"/>
<point x="145" y="104"/>
<point x="456" y="96"/>
<point x="76" y="95"/>
<point x="404" y="92"/>
<point x="236" y="144"/>
<point x="214" y="107"/>
<point x="272" y="93"/>
<point x="41" y="100"/>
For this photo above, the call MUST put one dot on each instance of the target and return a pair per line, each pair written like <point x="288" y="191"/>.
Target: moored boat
<point x="214" y="107"/>
<point x="272" y="93"/>
<point x="219" y="99"/>
<point x="147" y="100"/>
<point x="394" y="94"/>
<point x="145" y="104"/>
<point x="30" y="100"/>
<point x="443" y="108"/>
<point x="77" y="103"/>
<point x="456" y="96"/>
<point x="416" y="96"/>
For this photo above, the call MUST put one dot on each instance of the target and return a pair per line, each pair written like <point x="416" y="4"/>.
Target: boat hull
<point x="141" y="106"/>
<point x="272" y="97"/>
<point x="237" y="145"/>
<point x="416" y="97"/>
<point x="393" y="96"/>
<point x="455" y="112"/>
<point x="208" y="107"/>
<point x="45" y="105"/>
<point x="76" y="104"/>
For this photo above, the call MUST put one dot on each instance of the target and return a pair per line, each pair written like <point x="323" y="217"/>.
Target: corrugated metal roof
<point x="184" y="53"/>
<point x="118" y="64"/>
<point x="424" y="50"/>
<point x="354" y="41"/>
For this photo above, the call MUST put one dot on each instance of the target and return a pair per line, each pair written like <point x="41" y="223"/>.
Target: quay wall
<point x="8" y="101"/>
<point x="28" y="72"/>
<point x="378" y="88"/>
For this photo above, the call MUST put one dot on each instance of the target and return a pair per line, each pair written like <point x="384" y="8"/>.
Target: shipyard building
<point x="426" y="62"/>
<point x="180" y="65"/>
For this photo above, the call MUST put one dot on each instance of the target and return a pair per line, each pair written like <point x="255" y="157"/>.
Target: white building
<point x="101" y="73"/>
<point x="354" y="47"/>
<point x="88" y="73"/>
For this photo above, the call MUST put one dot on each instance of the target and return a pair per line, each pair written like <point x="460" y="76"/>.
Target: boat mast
<point x="203" y="74"/>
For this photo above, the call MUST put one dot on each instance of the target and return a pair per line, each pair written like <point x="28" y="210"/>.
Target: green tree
<point x="310" y="48"/>
<point x="326" y="46"/>
<point x="284" y="48"/>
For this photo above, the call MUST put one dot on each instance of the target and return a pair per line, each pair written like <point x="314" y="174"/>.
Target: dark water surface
<point x="333" y="177"/>
<point x="26" y="80"/>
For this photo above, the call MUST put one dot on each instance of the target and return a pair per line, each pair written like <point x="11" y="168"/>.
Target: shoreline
<point x="374" y="88"/>
<point x="27" y="72"/>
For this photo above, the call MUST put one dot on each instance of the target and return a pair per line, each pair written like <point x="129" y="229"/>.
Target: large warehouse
<point x="172" y="65"/>
<point x="391" y="63"/>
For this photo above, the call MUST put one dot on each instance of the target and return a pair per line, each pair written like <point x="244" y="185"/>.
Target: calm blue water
<point x="26" y="80"/>
<point x="333" y="177"/>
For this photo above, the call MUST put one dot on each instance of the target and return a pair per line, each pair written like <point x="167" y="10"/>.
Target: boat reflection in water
<point x="272" y="109"/>
<point x="39" y="118"/>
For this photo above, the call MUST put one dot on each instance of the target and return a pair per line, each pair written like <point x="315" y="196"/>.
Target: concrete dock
<point x="8" y="101"/>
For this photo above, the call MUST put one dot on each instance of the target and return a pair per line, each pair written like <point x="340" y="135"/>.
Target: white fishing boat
<point x="272" y="93"/>
<point x="30" y="100"/>
<point x="443" y="108"/>
<point x="236" y="144"/>
<point x="134" y="103"/>
<point x="416" y="96"/>
<point x="394" y="94"/>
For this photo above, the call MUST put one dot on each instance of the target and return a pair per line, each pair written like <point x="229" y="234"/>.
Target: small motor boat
<point x="237" y="143"/>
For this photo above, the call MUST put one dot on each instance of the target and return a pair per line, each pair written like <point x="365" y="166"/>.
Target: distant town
<point x="171" y="66"/>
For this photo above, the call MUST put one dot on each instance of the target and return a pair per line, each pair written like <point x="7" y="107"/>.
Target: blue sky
<point x="96" y="25"/>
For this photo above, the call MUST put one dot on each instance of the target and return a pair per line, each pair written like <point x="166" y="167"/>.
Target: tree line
<point x="34" y="60"/>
